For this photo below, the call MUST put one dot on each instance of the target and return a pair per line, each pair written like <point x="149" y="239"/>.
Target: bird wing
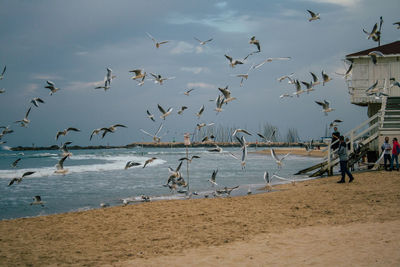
<point x="320" y="103"/>
<point x="27" y="113"/>
<point x="179" y="166"/>
<point x="148" y="112"/>
<point x="160" y="108"/>
<point x="27" y="174"/>
<point x="50" y="83"/>
<point x="229" y="58"/>
<point x="151" y="37"/>
<point x="286" y="155"/>
<point x="73" y="129"/>
<point x="4" y="70"/>
<point x="119" y="125"/>
<point x="159" y="129"/>
<point x="274" y="155"/>
<point x="163" y="42"/>
<point x="60" y="164"/>
<point x="262" y="136"/>
<point x="143" y="131"/>
<point x="311" y="13"/>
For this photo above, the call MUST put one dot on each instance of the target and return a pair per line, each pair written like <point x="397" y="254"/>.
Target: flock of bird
<point x="176" y="181"/>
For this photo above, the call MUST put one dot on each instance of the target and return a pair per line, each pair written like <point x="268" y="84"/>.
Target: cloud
<point x="194" y="70"/>
<point x="344" y="3"/>
<point x="201" y="85"/>
<point x="221" y="4"/>
<point x="226" y="21"/>
<point x="183" y="48"/>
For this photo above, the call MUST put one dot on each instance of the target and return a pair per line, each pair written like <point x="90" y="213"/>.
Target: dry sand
<point x="295" y="151"/>
<point x="316" y="222"/>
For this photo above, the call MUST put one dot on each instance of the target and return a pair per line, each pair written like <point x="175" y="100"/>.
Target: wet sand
<point x="316" y="222"/>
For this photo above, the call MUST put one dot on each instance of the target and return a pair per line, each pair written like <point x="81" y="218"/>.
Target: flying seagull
<point x="374" y="55"/>
<point x="255" y="42"/>
<point x="64" y="148"/>
<point x="280" y="79"/>
<point x="35" y="101"/>
<point x="198" y="114"/>
<point x="2" y="74"/>
<point x="139" y="74"/>
<point x="278" y="161"/>
<point x="325" y="106"/>
<point x="37" y="200"/>
<point x="213" y="176"/>
<point x="14" y="164"/>
<point x="334" y="123"/>
<point x="270" y="59"/>
<point x="188" y="92"/>
<point x="325" y="78"/>
<point x="19" y="179"/>
<point x="203" y="42"/>
<point x="111" y="129"/>
<point x="233" y="62"/>
<point x="150" y="116"/>
<point x="164" y="113"/>
<point x="182" y="109"/>
<point x="398" y="24"/>
<point x="130" y="164"/>
<point x="156" y="43"/>
<point x="189" y="160"/>
<point x="241" y="131"/>
<point x="159" y="79"/>
<point x="373" y="33"/>
<point x="109" y="77"/>
<point x="52" y="87"/>
<point x="267" y="180"/>
<point x="156" y="138"/>
<point x="314" y="16"/>
<point x="60" y="166"/>
<point x="25" y="121"/>
<point x="65" y="132"/>
<point x="347" y="73"/>
<point x="148" y="161"/>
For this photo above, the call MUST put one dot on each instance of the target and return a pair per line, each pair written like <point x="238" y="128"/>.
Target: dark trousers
<point x="344" y="170"/>
<point x="388" y="159"/>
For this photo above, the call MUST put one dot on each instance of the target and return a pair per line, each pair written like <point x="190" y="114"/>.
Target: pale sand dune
<point x="312" y="223"/>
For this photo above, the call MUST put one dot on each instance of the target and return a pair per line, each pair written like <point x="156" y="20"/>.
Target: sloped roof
<point x="387" y="49"/>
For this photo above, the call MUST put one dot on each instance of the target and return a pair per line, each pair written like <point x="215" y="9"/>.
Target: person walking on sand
<point x="343" y="160"/>
<point x="395" y="154"/>
<point x="387" y="151"/>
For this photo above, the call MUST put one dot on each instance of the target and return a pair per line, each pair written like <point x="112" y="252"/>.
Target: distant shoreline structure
<point x="170" y="145"/>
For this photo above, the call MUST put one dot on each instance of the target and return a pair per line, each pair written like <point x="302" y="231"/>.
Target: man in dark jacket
<point x="343" y="159"/>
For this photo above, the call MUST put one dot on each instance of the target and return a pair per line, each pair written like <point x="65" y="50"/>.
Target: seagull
<point x="373" y="33"/>
<point x="241" y="131"/>
<point x="378" y="94"/>
<point x="244" y="76"/>
<point x="139" y="74"/>
<point x="182" y="109"/>
<point x="131" y="164"/>
<point x="285" y="95"/>
<point x="105" y="87"/>
<point x="347" y="73"/>
<point x="398" y="24"/>
<point x="315" y="80"/>
<point x="205" y="139"/>
<point x="94" y="132"/>
<point x="374" y="55"/>
<point x="225" y="92"/>
<point x="111" y="129"/>
<point x="156" y="43"/>
<point x="189" y="160"/>
<point x="219" y="102"/>
<point x="37" y="200"/>
<point x="25" y="121"/>
<point x="270" y="59"/>
<point x="263" y="137"/>
<point x="164" y="113"/>
<point x="393" y="82"/>
<point x="174" y="174"/>
<point x="267" y="180"/>
<point x="52" y="87"/>
<point x="212" y="179"/>
<point x="198" y="114"/>
<point x="203" y="42"/>
<point x="233" y="62"/>
<point x="325" y="78"/>
<point x="2" y="74"/>
<point x="19" y="179"/>
<point x="227" y="190"/>
<point x="109" y="77"/>
<point x="313" y="15"/>
<point x="277" y="160"/>
<point x="141" y="82"/>
<point x="65" y="132"/>
<point x="309" y="86"/>
<point x="325" y="107"/>
<point x="60" y="165"/>
<point x="268" y="140"/>
<point x="150" y="116"/>
<point x="14" y="164"/>
<point x="156" y="139"/>
<point x="64" y="149"/>
<point x="6" y="130"/>
<point x="35" y="101"/>
<point x="255" y="42"/>
<point x="299" y="91"/>
<point x="372" y="87"/>
<point x="2" y="90"/>
<point x="188" y="92"/>
<point x="334" y="123"/>
<point x="280" y="79"/>
<point x="148" y="161"/>
<point x="216" y="149"/>
<point x="159" y="79"/>
<point x="201" y="125"/>
<point x="243" y="144"/>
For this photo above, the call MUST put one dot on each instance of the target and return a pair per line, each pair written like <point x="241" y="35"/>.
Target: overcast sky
<point x="73" y="42"/>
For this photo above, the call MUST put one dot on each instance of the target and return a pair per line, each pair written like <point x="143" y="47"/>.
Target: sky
<point x="73" y="42"/>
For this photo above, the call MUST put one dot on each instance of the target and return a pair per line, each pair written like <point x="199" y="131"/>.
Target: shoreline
<point x="144" y="233"/>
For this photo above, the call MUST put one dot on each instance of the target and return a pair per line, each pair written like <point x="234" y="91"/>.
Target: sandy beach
<point x="317" y="222"/>
<point x="298" y="151"/>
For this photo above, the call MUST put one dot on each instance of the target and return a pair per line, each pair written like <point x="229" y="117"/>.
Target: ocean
<point x="98" y="176"/>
